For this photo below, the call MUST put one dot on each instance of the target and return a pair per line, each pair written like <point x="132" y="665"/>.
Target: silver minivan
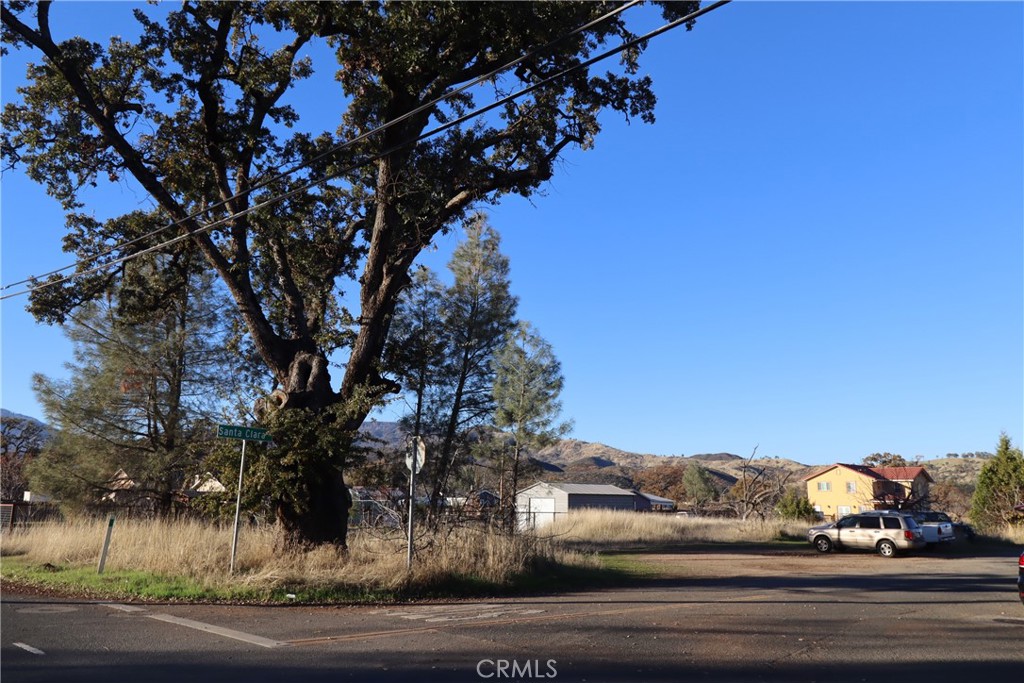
<point x="885" y="532"/>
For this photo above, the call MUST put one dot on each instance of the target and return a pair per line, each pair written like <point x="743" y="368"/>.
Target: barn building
<point x="540" y="504"/>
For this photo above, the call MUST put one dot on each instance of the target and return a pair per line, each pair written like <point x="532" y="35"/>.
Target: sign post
<point x="238" y="509"/>
<point x="106" y="545"/>
<point x="414" y="461"/>
<point x="245" y="434"/>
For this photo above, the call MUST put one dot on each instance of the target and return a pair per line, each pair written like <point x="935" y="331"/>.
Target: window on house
<point x="824" y="486"/>
<point x="851" y="487"/>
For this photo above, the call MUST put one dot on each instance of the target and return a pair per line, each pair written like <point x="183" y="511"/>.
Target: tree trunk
<point x="317" y="511"/>
<point x="323" y="518"/>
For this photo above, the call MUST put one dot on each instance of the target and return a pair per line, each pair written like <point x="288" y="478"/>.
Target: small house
<point x="843" y="489"/>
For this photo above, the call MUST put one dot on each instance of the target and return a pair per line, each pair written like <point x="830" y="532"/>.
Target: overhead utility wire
<point x="280" y="175"/>
<point x="379" y="155"/>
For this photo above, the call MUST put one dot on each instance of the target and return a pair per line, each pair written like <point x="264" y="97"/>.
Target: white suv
<point x="883" y="531"/>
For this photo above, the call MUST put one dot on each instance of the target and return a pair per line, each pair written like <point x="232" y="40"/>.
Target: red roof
<point x="879" y="473"/>
<point x="902" y="473"/>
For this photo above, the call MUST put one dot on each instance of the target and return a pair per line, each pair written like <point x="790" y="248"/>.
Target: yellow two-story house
<point x="842" y="489"/>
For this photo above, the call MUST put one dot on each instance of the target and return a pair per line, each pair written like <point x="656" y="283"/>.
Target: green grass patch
<point x="112" y="584"/>
<point x="629" y="566"/>
<point x="83" y="581"/>
<point x="140" y="585"/>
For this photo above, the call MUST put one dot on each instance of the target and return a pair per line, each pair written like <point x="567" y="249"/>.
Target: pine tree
<point x="1000" y="489"/>
<point x="141" y="394"/>
<point x="795" y="505"/>
<point x="700" y="488"/>
<point x="528" y="381"/>
<point x="444" y="348"/>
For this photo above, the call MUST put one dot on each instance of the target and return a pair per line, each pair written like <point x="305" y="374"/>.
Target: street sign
<point x="243" y="433"/>
<point x="417" y="450"/>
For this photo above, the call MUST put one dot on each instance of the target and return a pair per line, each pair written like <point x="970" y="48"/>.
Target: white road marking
<point x="200" y="626"/>
<point x="484" y="615"/>
<point x="436" y="613"/>
<point x="123" y="608"/>
<point x="29" y="648"/>
<point x="218" y="630"/>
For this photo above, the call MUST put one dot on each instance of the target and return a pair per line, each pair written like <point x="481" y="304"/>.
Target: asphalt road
<point x="708" y="616"/>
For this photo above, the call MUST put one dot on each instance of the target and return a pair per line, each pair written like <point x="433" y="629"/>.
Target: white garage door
<point x="542" y="512"/>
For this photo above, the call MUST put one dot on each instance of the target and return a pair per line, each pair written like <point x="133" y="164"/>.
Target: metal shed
<point x="648" y="502"/>
<point x="542" y="503"/>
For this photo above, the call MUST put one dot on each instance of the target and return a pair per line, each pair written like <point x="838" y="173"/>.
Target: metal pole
<point x="106" y="545"/>
<point x="412" y="503"/>
<point x="238" y="507"/>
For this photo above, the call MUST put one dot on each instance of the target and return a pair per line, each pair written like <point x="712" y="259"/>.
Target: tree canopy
<point x="885" y="460"/>
<point x="141" y="395"/>
<point x="1000" y="489"/>
<point x="443" y="341"/>
<point x="198" y="112"/>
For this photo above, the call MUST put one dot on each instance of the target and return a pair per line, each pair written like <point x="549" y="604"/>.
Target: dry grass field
<point x="602" y="528"/>
<point x="375" y="560"/>
<point x="447" y="562"/>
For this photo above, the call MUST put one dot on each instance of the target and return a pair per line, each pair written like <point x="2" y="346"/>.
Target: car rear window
<point x="892" y="522"/>
<point x="911" y="522"/>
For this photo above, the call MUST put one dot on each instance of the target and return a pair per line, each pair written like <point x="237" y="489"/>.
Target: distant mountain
<point x="12" y="424"/>
<point x="545" y="466"/>
<point x="716" y="457"/>
<point x="586" y="462"/>
<point x="595" y="463"/>
<point x="958" y="471"/>
<point x="389" y="432"/>
<point x="568" y="451"/>
<point x="10" y="415"/>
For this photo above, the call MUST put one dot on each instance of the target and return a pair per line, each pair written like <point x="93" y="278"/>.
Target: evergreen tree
<point x="141" y="395"/>
<point x="1000" y="489"/>
<point x="699" y="486"/>
<point x="444" y="349"/>
<point x="417" y="348"/>
<point x="477" y="312"/>
<point x="528" y="380"/>
<point x="795" y="505"/>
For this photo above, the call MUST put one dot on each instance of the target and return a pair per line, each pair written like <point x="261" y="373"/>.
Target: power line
<point x="280" y="175"/>
<point x="370" y="159"/>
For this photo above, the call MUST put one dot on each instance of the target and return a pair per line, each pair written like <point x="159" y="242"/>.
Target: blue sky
<point x="817" y="249"/>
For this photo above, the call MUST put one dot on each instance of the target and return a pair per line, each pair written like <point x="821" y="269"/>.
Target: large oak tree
<point x="197" y="111"/>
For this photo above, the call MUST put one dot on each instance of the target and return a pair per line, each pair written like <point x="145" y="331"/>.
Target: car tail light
<point x="1022" y="561"/>
<point x="908" y="534"/>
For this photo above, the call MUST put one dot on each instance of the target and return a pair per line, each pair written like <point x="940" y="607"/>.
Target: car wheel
<point x="823" y="544"/>
<point x="886" y="548"/>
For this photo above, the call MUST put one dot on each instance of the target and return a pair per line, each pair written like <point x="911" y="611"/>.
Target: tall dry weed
<point x="375" y="559"/>
<point x="617" y="527"/>
<point x="1014" y="533"/>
